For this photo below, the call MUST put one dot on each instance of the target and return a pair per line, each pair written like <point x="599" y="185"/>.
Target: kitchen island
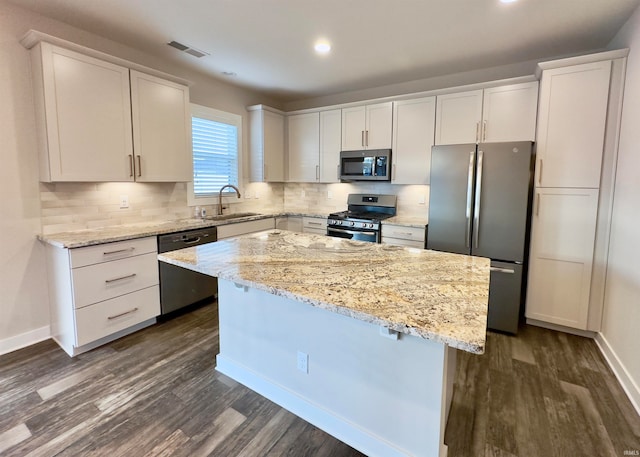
<point x="357" y="338"/>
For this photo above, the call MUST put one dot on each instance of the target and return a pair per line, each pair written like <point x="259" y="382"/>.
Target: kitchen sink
<point x="226" y="217"/>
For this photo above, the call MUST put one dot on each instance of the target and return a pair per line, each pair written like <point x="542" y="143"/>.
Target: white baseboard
<point x="562" y="328"/>
<point x="24" y="339"/>
<point x="626" y="381"/>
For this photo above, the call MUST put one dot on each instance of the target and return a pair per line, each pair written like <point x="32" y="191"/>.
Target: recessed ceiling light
<point x="322" y="47"/>
<point x="230" y="73"/>
<point x="508" y="1"/>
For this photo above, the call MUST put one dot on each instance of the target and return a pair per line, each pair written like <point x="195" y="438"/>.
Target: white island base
<point x="382" y="395"/>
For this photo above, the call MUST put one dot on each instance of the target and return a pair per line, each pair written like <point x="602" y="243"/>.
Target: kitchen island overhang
<point x="376" y="338"/>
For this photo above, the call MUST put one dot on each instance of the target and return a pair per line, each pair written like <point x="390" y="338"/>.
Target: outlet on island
<point x="303" y="362"/>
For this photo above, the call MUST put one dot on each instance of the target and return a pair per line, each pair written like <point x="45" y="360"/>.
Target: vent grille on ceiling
<point x="188" y="49"/>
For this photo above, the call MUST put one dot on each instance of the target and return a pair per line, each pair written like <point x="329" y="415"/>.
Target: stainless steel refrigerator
<point x="479" y="205"/>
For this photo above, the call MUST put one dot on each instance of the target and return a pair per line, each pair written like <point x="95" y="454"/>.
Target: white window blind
<point x="215" y="156"/>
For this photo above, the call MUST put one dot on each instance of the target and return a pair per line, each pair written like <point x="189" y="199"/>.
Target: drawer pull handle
<point x="314" y="223"/>
<point x="108" y="281"/>
<point x="119" y="251"/>
<point x="122" y="314"/>
<point x="403" y="233"/>
<point x="502" y="270"/>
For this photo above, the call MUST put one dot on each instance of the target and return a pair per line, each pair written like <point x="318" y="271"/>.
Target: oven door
<point x="359" y="235"/>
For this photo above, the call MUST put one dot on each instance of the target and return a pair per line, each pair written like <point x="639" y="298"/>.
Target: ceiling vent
<point x="188" y="49"/>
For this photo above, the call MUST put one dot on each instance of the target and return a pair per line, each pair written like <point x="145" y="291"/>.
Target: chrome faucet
<point x="220" y="196"/>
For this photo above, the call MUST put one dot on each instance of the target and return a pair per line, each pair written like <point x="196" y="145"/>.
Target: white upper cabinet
<point x="266" y="130"/>
<point x="458" y="117"/>
<point x="505" y="113"/>
<point x="84" y="116"/>
<point x="413" y="134"/>
<point x="367" y="127"/>
<point x="330" y="139"/>
<point x="100" y="121"/>
<point x="571" y="125"/>
<point x="303" y="133"/>
<point x="509" y="113"/>
<point x="161" y="129"/>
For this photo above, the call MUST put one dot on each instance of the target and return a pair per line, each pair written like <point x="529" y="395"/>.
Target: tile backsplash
<point x="326" y="198"/>
<point x="74" y="206"/>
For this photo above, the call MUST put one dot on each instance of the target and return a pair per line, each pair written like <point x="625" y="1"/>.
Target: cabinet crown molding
<point x="265" y="108"/>
<point x="33" y="37"/>
<point x="577" y="60"/>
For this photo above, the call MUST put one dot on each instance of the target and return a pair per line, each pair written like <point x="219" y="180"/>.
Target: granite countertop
<point x="101" y="235"/>
<point x="429" y="294"/>
<point x="407" y="221"/>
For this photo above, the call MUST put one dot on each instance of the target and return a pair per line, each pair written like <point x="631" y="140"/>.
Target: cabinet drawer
<point x="107" y="317"/>
<point x="96" y="283"/>
<point x="241" y="228"/>
<point x="403" y="242"/>
<point x="90" y="255"/>
<point x="311" y="224"/>
<point x="403" y="232"/>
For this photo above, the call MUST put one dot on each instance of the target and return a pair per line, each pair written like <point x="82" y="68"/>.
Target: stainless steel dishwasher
<point x="180" y="287"/>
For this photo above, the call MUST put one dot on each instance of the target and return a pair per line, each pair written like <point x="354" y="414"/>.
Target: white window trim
<point x="205" y="112"/>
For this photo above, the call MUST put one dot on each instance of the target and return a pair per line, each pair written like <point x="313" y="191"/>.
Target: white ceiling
<point x="269" y="43"/>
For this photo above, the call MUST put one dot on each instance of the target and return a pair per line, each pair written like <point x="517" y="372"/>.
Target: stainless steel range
<point x="362" y="219"/>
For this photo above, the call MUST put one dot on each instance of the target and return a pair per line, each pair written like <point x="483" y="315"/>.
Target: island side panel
<point x="382" y="396"/>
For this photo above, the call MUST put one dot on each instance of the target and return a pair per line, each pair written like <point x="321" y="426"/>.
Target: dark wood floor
<point x="156" y="393"/>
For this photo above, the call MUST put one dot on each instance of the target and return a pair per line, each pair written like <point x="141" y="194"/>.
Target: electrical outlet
<point x="329" y="195"/>
<point x="421" y="200"/>
<point x="247" y="195"/>
<point x="302" y="194"/>
<point x="124" y="201"/>
<point x="303" y="362"/>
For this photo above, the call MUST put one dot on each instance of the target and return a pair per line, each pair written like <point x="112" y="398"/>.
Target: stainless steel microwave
<point x="369" y="165"/>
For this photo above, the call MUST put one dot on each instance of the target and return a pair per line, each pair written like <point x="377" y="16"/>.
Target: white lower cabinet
<point x="102" y="292"/>
<point x="317" y="225"/>
<point x="242" y="228"/>
<point x="292" y="223"/>
<point x="111" y="316"/>
<point x="561" y="256"/>
<point x="401" y="235"/>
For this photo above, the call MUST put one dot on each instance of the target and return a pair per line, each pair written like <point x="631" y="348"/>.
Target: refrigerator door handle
<point x="467" y="231"/>
<point x="502" y="270"/>
<point x="476" y="209"/>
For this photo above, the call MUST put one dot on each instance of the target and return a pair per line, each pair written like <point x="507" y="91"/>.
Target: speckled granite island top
<point x="429" y="294"/>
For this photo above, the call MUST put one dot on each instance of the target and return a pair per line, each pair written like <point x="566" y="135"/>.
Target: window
<point x="217" y="143"/>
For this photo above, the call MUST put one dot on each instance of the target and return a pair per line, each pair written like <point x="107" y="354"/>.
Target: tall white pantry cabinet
<point x="578" y="126"/>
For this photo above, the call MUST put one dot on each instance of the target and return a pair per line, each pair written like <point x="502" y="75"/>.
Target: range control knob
<point x="353" y="224"/>
<point x="370" y="225"/>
